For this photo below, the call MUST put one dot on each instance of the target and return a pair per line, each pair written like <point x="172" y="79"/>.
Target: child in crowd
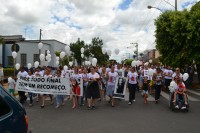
<point x="145" y="87"/>
<point x="75" y="93"/>
<point x="180" y="90"/>
<point x="11" y="86"/>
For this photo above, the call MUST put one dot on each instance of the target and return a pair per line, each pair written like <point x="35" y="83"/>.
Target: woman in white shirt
<point x="93" y="88"/>
<point x="112" y="75"/>
<point x="132" y="84"/>
<point x="168" y="77"/>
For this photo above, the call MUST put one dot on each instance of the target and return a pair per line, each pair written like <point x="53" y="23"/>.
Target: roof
<point x="12" y="38"/>
<point x="37" y="41"/>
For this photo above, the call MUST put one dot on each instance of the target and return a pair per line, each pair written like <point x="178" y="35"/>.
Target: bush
<point x="8" y="72"/>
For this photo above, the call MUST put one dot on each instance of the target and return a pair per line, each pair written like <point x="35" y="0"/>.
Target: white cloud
<point x="66" y="20"/>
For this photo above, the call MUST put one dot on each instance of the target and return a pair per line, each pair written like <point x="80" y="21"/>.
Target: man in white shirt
<point x="22" y="73"/>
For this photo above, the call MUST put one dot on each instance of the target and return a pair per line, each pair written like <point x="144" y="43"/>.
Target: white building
<point x="29" y="52"/>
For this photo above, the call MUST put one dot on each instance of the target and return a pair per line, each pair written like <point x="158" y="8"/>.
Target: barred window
<point x="35" y="57"/>
<point x="10" y="61"/>
<point x="23" y="60"/>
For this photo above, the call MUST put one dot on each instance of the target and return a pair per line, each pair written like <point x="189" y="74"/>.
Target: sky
<point x="117" y="22"/>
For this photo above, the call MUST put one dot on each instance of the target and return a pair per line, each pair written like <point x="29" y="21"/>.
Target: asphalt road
<point x="124" y="118"/>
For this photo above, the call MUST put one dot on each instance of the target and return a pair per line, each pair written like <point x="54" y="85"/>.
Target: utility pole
<point x="175" y="5"/>
<point x="136" y="46"/>
<point x="39" y="42"/>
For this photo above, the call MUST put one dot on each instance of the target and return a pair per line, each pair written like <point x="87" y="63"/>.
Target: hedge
<point x="8" y="72"/>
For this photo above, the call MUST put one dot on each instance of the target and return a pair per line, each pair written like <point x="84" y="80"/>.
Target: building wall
<point x="157" y="54"/>
<point x="31" y="48"/>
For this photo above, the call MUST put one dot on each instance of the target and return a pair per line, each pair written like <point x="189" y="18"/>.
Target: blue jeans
<point x="31" y="97"/>
<point x="59" y="99"/>
<point x="84" y="95"/>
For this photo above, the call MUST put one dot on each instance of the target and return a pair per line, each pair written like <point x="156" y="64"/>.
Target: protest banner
<point x="45" y="85"/>
<point x="120" y="87"/>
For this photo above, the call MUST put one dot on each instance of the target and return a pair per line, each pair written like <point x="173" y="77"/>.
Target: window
<point x="10" y="61"/>
<point x="4" y="108"/>
<point x="23" y="60"/>
<point x="35" y="57"/>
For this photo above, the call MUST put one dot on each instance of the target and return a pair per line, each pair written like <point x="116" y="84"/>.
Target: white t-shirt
<point x="168" y="74"/>
<point x="95" y="75"/>
<point x="107" y="70"/>
<point x="76" y="76"/>
<point x="120" y="72"/>
<point x="154" y="71"/>
<point x="38" y="74"/>
<point x="180" y="75"/>
<point x="22" y="74"/>
<point x="112" y="78"/>
<point x="132" y="77"/>
<point x="146" y="73"/>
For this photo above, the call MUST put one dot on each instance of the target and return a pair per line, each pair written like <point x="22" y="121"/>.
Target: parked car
<point x="13" y="118"/>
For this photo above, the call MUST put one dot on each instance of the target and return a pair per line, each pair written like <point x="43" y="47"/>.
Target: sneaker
<point x="129" y="103"/>
<point x="177" y="107"/>
<point x="183" y="107"/>
<point x="89" y="108"/>
<point x="133" y="100"/>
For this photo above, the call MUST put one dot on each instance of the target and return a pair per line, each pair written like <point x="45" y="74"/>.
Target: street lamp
<point x="175" y="7"/>
<point x="149" y="7"/>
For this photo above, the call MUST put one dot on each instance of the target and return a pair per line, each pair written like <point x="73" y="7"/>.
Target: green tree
<point x="96" y="51"/>
<point x="177" y="37"/>
<point x="76" y="49"/>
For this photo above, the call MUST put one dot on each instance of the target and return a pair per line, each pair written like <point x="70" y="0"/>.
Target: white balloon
<point x="89" y="62"/>
<point x="40" y="45"/>
<point x="103" y="50"/>
<point x="57" y="58"/>
<point x="94" y="60"/>
<point x="94" y="64"/>
<point x="116" y="51"/>
<point x="14" y="54"/>
<point x="150" y="61"/>
<point x="65" y="67"/>
<point x="109" y="52"/>
<point x="48" y="52"/>
<point x="82" y="50"/>
<point x="86" y="63"/>
<point x="17" y="66"/>
<point x="9" y="80"/>
<point x="133" y="63"/>
<point x="62" y="54"/>
<point x="67" y="49"/>
<point x="70" y="63"/>
<point x="49" y="60"/>
<point x="49" y="56"/>
<point x="185" y="76"/>
<point x="82" y="55"/>
<point x="173" y="84"/>
<point x="146" y="64"/>
<point x="41" y="57"/>
<point x="57" y="62"/>
<point x="138" y="63"/>
<point x="36" y="64"/>
<point x="29" y="65"/>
